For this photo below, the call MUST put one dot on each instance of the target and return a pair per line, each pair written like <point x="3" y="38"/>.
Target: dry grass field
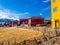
<point x="12" y="34"/>
<point x="28" y="36"/>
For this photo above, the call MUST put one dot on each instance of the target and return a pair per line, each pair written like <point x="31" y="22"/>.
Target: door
<point x="56" y="23"/>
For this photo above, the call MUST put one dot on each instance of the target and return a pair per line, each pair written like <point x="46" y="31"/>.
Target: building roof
<point x="37" y="17"/>
<point x="23" y="19"/>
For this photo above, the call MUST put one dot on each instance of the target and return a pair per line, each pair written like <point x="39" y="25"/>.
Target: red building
<point x="33" y="21"/>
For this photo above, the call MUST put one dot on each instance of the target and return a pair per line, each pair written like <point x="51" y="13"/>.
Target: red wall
<point x="36" y="20"/>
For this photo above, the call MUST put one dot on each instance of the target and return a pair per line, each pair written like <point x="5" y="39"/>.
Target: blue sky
<point x="15" y="9"/>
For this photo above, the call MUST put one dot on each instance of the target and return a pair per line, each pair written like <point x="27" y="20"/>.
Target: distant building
<point x="23" y="21"/>
<point x="47" y="22"/>
<point x="14" y="22"/>
<point x="33" y="21"/>
<point x="2" y="24"/>
<point x="11" y="23"/>
<point x="7" y="25"/>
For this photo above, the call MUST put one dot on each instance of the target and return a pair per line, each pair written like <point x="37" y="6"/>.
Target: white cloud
<point x="45" y="1"/>
<point x="45" y="9"/>
<point x="26" y="13"/>
<point x="41" y="14"/>
<point x="6" y="13"/>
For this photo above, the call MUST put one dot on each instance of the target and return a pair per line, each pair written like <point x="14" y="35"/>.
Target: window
<point x="55" y="9"/>
<point x="54" y="0"/>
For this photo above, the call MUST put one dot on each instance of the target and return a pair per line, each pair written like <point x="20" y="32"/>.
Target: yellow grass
<point x="19" y="34"/>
